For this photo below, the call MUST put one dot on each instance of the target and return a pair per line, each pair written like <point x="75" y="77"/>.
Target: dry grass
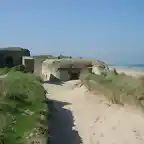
<point x="120" y="89"/>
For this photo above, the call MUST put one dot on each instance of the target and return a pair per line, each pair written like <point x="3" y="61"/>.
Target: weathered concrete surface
<point x="60" y="67"/>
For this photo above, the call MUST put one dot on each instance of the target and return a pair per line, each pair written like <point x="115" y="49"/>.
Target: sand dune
<point x="128" y="71"/>
<point x="82" y="117"/>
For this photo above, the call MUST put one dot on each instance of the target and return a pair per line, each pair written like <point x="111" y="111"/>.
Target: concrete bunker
<point x="74" y="75"/>
<point x="64" y="69"/>
<point x="9" y="61"/>
<point x="28" y="62"/>
<point x="12" y="56"/>
<point x="64" y="74"/>
<point x="70" y="69"/>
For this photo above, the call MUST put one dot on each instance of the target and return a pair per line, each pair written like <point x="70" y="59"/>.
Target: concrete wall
<point x="38" y="67"/>
<point x="16" y="56"/>
<point x="52" y="68"/>
<point x="62" y="75"/>
<point x="46" y="71"/>
<point x="28" y="62"/>
<point x="96" y="70"/>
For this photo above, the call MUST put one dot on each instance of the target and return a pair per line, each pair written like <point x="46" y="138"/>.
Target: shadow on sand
<point x="53" y="80"/>
<point x="60" y="126"/>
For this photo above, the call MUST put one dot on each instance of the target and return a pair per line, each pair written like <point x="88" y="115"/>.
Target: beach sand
<point x="128" y="71"/>
<point x="84" y="118"/>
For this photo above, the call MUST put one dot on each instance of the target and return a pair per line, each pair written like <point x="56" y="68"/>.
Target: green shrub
<point x="26" y="85"/>
<point x="20" y="68"/>
<point x="20" y="91"/>
<point x="4" y="70"/>
<point x="39" y="78"/>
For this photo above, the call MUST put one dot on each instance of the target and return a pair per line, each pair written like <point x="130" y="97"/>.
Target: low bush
<point x="4" y="70"/>
<point x="20" y="68"/>
<point x="17" y="83"/>
<point x="118" y="88"/>
<point x="21" y="98"/>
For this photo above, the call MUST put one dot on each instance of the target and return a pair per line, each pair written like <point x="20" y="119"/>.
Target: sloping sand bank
<point x="82" y="117"/>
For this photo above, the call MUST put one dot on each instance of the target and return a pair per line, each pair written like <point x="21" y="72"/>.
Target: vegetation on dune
<point x="41" y="58"/>
<point x="26" y="84"/>
<point x="21" y="102"/>
<point x="118" y="88"/>
<point x="6" y="70"/>
<point x="50" y="56"/>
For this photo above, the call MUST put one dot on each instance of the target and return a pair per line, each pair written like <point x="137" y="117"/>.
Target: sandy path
<point x="95" y="121"/>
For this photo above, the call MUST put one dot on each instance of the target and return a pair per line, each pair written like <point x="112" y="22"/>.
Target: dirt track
<point x="89" y="119"/>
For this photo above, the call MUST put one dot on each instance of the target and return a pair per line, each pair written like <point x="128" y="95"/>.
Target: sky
<point x="109" y="30"/>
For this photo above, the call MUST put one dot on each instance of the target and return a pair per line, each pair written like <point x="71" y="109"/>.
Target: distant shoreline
<point x="131" y="71"/>
<point x="129" y="65"/>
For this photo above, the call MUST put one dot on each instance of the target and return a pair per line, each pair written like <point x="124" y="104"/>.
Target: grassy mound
<point x="21" y="103"/>
<point x="20" y="68"/>
<point x="118" y="88"/>
<point x="17" y="83"/>
<point x="4" y="70"/>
